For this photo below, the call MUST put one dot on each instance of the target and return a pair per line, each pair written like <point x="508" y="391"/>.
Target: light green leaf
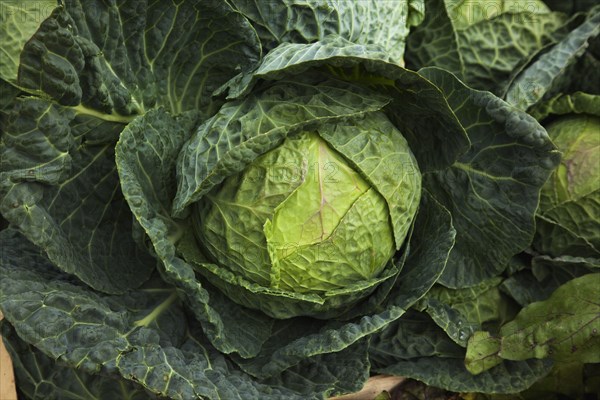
<point x="563" y="328"/>
<point x="382" y="155"/>
<point x="295" y="339"/>
<point x="18" y="22"/>
<point x="316" y="226"/>
<point x="567" y="220"/>
<point x="565" y="379"/>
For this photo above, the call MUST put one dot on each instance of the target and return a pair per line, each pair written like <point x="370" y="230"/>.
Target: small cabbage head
<point x="306" y="220"/>
<point x="569" y="210"/>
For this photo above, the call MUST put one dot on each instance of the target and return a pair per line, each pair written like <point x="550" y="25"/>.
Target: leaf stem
<point x="162" y="307"/>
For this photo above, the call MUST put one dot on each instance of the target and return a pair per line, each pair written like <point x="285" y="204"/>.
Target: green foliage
<point x="564" y="327"/>
<point x="259" y="200"/>
<point x="482" y="42"/>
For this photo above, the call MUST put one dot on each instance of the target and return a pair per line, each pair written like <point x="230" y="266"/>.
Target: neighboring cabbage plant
<point x="556" y="281"/>
<point x="569" y="212"/>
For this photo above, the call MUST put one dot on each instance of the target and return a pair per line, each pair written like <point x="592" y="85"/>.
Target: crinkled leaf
<point x="561" y="104"/>
<point x="492" y="191"/>
<point x="412" y="336"/>
<point x="243" y="130"/>
<point x="296" y="339"/>
<point x="415" y="347"/>
<point x="40" y="377"/>
<point x="450" y="373"/>
<point x="60" y="188"/>
<point x="290" y="59"/>
<point x="482" y="42"/>
<point x="380" y="152"/>
<point x="385" y="23"/>
<point x="420" y="101"/>
<point x="563" y="328"/>
<point x="545" y="75"/>
<point x="18" y="22"/>
<point x="146" y="159"/>
<point x="492" y="49"/>
<point x="436" y="138"/>
<point x="119" y="335"/>
<point x="434" y="42"/>
<point x="567" y="218"/>
<point x="461" y="312"/>
<point x="121" y="59"/>
<point x="335" y="373"/>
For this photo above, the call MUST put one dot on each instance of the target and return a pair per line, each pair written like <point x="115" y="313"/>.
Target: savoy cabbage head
<point x="256" y="200"/>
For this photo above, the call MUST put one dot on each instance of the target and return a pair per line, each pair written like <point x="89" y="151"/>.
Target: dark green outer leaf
<point x="121" y="58"/>
<point x="575" y="103"/>
<point x="277" y="303"/>
<point x="492" y="191"/>
<point x="414" y="335"/>
<point x="223" y="320"/>
<point x="451" y="374"/>
<point x="545" y="276"/>
<point x="146" y="159"/>
<point x="60" y="188"/>
<point x="461" y="312"/>
<point x="120" y="336"/>
<point x="435" y="42"/>
<point x="570" y="6"/>
<point x="40" y="377"/>
<point x="289" y="59"/>
<point x="546" y="74"/>
<point x="491" y="49"/>
<point x="18" y="22"/>
<point x="414" y="347"/>
<point x="8" y="93"/>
